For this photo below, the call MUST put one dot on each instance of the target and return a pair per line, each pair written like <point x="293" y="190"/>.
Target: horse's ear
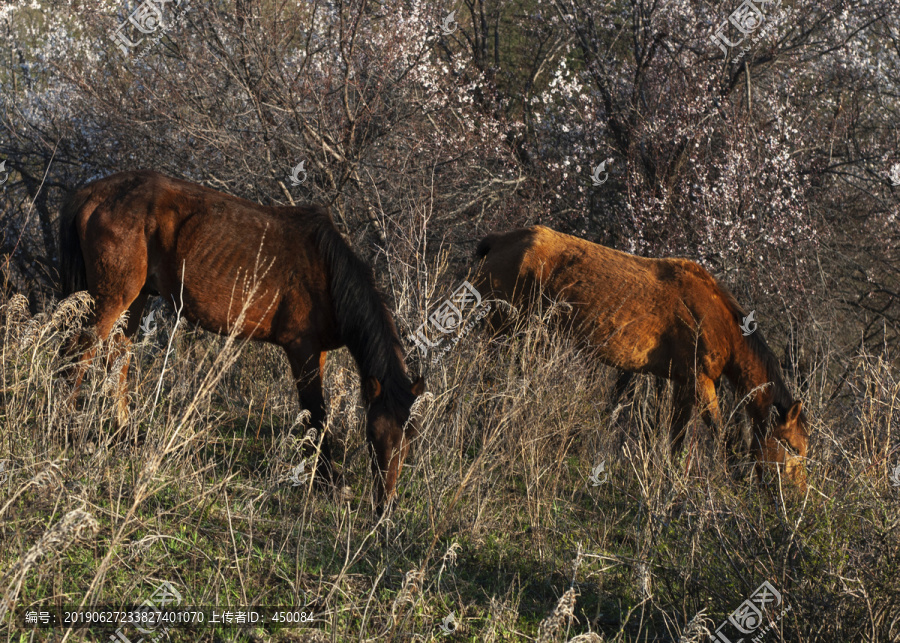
<point x="373" y="389"/>
<point x="794" y="412"/>
<point x="418" y="387"/>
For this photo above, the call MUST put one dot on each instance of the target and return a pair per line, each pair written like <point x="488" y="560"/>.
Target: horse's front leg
<point x="682" y="407"/>
<point x="308" y="368"/>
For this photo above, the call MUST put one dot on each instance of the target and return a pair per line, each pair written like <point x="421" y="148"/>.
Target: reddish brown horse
<point x="134" y="234"/>
<point x="667" y="317"/>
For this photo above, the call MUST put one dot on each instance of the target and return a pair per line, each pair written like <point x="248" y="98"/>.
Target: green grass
<point x="496" y="517"/>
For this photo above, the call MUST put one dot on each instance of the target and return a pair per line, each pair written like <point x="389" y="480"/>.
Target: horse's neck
<point x="396" y="366"/>
<point x="386" y="362"/>
<point x="749" y="376"/>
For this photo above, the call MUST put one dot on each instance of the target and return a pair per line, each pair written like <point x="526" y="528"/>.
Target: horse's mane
<point x="756" y="341"/>
<point x="364" y="323"/>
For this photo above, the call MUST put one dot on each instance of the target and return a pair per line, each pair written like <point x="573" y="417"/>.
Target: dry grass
<point x="497" y="521"/>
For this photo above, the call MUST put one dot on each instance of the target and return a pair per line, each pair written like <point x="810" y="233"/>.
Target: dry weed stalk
<point x="510" y="432"/>
<point x="696" y="630"/>
<point x="75" y="525"/>
<point x="558" y="622"/>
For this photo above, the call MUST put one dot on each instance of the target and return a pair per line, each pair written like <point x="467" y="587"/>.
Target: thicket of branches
<point x="425" y="125"/>
<point x="771" y="168"/>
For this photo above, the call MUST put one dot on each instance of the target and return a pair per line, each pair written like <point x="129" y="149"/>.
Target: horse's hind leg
<point x="105" y="317"/>
<point x="122" y="344"/>
<point x="115" y="281"/>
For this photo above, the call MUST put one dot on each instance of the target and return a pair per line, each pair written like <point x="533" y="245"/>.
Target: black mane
<point x="782" y="396"/>
<point x="364" y="322"/>
<point x="756" y="341"/>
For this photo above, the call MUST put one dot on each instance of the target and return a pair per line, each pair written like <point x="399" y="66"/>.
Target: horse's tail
<point x="73" y="275"/>
<point x="518" y="240"/>
<point x="485" y="245"/>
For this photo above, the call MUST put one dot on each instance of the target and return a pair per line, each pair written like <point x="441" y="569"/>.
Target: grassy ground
<point x="498" y="521"/>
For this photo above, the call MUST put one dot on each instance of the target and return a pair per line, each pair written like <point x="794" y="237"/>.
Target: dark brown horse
<point x="136" y="234"/>
<point x="667" y="317"/>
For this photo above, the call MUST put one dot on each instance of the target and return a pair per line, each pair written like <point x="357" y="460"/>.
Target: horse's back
<point x="636" y="312"/>
<point x="560" y="264"/>
<point x="217" y="252"/>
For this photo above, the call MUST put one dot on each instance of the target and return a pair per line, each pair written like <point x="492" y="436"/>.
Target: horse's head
<point x="788" y="443"/>
<point x="389" y="430"/>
